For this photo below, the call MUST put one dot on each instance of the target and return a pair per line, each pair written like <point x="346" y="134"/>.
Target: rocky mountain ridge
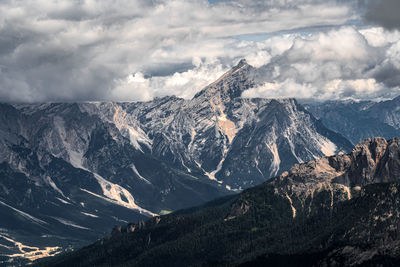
<point x="217" y="127"/>
<point x="359" y="120"/>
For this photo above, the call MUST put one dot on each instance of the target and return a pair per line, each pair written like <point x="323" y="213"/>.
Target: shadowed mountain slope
<point x="341" y="210"/>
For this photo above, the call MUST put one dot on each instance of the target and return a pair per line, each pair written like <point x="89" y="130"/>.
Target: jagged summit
<point x="373" y="160"/>
<point x="231" y="84"/>
<point x="241" y="63"/>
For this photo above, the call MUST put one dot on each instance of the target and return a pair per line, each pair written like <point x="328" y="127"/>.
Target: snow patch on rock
<point x="24" y="214"/>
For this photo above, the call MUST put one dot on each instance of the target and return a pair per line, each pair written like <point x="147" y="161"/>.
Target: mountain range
<point x="71" y="171"/>
<point x="341" y="210"/>
<point x="357" y="120"/>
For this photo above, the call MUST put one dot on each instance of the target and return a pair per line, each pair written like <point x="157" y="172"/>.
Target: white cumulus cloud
<point x="74" y="50"/>
<point x="344" y="63"/>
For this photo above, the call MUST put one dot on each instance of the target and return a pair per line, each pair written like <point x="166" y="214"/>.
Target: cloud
<point x="77" y="50"/>
<point x="185" y="84"/>
<point x="127" y="50"/>
<point x="383" y="12"/>
<point x="344" y="63"/>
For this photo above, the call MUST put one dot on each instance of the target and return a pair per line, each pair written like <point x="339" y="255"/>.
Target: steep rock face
<point x="282" y="134"/>
<point x="340" y="177"/>
<point x="369" y="162"/>
<point x="210" y="133"/>
<point x="196" y="134"/>
<point x="339" y="210"/>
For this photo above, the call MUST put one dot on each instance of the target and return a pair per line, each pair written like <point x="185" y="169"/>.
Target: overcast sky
<point x="127" y="50"/>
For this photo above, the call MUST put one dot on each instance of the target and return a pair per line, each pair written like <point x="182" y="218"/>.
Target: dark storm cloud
<point x="388" y="74"/>
<point x="383" y="12"/>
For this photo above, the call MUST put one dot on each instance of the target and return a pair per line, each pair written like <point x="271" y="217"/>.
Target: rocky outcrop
<point x="371" y="161"/>
<point x="339" y="177"/>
